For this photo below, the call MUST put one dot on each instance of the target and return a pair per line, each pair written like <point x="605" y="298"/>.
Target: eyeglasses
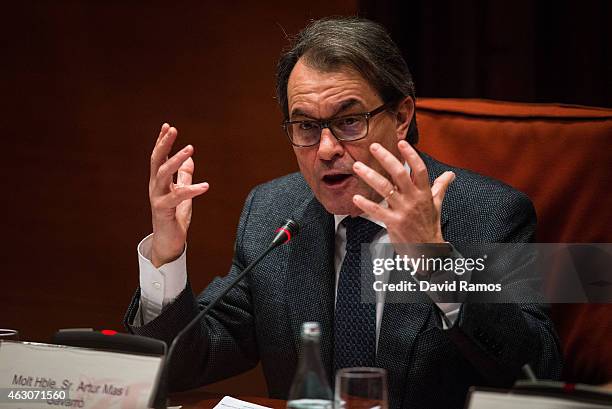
<point x="346" y="128"/>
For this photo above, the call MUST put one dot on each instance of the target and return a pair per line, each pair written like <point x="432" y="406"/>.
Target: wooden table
<point x="198" y="399"/>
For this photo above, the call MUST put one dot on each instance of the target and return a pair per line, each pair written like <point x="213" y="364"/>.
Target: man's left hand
<point x="413" y="212"/>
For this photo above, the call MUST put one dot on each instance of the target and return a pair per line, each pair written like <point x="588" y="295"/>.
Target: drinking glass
<point x="361" y="388"/>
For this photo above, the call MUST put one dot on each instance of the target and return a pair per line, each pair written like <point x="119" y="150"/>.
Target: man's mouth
<point x="336" y="179"/>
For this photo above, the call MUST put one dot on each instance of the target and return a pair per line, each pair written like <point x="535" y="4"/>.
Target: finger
<point x="184" y="177"/>
<point x="374" y="210"/>
<point x="374" y="179"/>
<point x="172" y="165"/>
<point x="441" y="184"/>
<point x="183" y="213"/>
<point x="394" y="167"/>
<point x="418" y="169"/>
<point x="180" y="194"/>
<point x="162" y="150"/>
<point x="162" y="132"/>
<point x="164" y="128"/>
<point x="185" y="172"/>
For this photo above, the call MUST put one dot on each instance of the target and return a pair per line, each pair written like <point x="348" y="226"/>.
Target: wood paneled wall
<point x="86" y="86"/>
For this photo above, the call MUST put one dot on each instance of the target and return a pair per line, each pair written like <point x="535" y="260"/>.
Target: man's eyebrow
<point x="345" y="105"/>
<point x="299" y="112"/>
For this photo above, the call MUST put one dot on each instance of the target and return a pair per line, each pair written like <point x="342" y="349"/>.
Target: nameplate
<point x="34" y="375"/>
<point x="487" y="398"/>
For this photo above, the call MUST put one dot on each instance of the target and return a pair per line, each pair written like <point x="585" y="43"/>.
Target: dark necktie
<point x="354" y="320"/>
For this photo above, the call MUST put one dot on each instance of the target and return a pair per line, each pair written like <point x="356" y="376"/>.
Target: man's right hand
<point x="171" y="202"/>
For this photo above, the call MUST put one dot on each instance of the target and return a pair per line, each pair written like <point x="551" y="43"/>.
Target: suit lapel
<point x="403" y="319"/>
<point x="310" y="282"/>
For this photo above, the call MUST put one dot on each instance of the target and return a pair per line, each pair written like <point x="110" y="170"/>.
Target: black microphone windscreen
<point x="285" y="233"/>
<point x="292" y="227"/>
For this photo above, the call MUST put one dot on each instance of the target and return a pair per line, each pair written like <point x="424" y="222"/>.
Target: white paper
<point x="232" y="403"/>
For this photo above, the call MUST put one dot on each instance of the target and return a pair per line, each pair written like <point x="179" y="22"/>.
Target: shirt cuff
<point x="159" y="286"/>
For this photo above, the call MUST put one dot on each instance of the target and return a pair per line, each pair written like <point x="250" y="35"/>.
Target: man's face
<point x="328" y="166"/>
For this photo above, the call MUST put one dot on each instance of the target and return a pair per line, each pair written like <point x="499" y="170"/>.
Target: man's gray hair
<point x="363" y="45"/>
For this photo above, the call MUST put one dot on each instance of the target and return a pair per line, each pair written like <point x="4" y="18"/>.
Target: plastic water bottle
<point x="310" y="389"/>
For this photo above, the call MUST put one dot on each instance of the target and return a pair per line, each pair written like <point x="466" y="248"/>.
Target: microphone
<point x="283" y="235"/>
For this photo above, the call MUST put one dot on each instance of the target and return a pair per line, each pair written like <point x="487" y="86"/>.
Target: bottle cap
<point x="311" y="330"/>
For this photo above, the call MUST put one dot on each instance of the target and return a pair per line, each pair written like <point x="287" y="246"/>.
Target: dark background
<point x="519" y="50"/>
<point x="86" y="85"/>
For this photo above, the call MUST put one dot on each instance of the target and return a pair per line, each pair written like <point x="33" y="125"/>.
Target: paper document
<point x="232" y="403"/>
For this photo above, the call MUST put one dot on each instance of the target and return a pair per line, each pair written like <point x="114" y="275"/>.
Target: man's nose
<point x="329" y="146"/>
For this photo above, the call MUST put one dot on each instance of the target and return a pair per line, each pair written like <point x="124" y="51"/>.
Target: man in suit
<point x="348" y="100"/>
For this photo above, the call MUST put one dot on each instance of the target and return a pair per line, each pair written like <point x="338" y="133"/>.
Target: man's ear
<point x="403" y="116"/>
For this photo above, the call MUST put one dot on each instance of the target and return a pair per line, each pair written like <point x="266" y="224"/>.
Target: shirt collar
<point x="339" y="217"/>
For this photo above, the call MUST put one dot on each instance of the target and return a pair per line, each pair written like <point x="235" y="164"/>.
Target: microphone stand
<point x="283" y="236"/>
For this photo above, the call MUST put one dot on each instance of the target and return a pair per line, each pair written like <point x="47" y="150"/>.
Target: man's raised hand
<point x="414" y="208"/>
<point x="171" y="202"/>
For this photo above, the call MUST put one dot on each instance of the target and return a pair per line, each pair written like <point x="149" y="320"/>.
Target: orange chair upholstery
<point x="559" y="155"/>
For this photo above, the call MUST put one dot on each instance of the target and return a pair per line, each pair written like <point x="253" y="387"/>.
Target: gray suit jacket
<point x="427" y="367"/>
